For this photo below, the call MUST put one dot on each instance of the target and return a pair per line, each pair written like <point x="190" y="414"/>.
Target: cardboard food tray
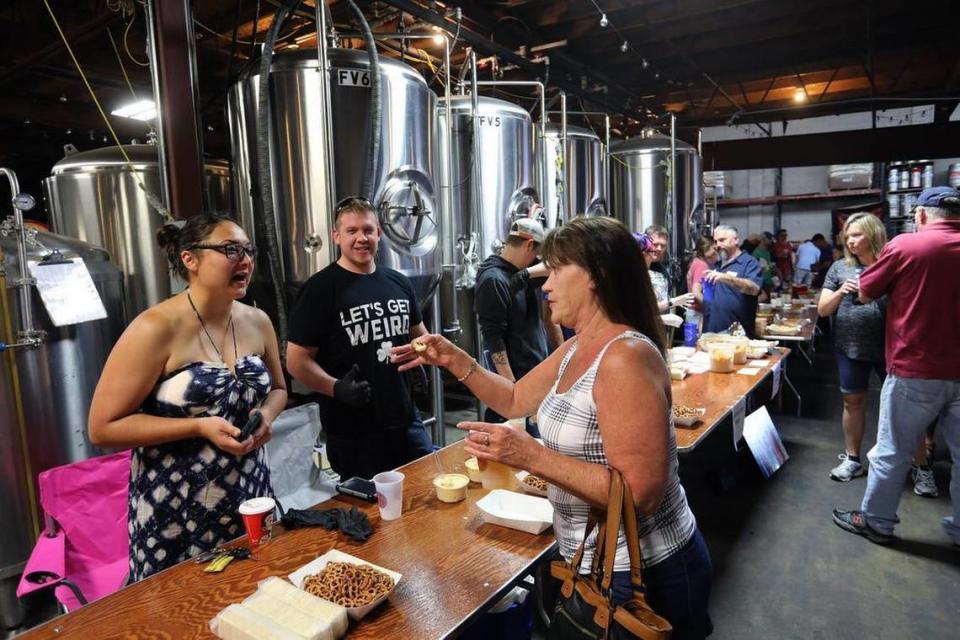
<point x="516" y="511"/>
<point x="315" y="566"/>
<point x="521" y="476"/>
<point x="692" y="420"/>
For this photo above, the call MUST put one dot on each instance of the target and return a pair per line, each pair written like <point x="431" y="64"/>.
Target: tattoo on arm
<point x="502" y="364"/>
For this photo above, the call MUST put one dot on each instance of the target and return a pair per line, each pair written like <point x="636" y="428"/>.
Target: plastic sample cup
<point x="389" y="486"/>
<point x="257" y="514"/>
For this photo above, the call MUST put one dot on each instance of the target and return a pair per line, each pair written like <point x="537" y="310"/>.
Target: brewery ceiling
<point x="708" y="61"/>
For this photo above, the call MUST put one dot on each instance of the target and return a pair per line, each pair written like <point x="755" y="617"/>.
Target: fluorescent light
<point x="139" y="110"/>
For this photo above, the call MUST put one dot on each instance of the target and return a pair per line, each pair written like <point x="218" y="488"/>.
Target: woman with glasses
<point x="179" y="385"/>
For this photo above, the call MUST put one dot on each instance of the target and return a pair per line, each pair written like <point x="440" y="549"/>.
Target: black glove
<point x="350" y="391"/>
<point x="352" y="522"/>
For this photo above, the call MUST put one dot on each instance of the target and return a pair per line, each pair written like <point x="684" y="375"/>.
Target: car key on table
<point x="252" y="424"/>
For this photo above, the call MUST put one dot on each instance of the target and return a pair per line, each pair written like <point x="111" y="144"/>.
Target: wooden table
<point x="454" y="567"/>
<point x="718" y="393"/>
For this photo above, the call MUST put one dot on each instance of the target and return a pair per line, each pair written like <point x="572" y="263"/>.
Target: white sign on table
<point x="739" y="410"/>
<point x="68" y="292"/>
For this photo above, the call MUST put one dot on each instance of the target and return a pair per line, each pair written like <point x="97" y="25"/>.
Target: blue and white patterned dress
<point x="184" y="495"/>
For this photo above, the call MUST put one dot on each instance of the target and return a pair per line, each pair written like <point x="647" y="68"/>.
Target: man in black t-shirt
<point x="342" y="327"/>
<point x="509" y="306"/>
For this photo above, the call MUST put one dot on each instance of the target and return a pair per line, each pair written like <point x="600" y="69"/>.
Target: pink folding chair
<point x="83" y="553"/>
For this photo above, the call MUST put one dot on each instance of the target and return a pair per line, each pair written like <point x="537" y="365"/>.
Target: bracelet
<point x="473" y="367"/>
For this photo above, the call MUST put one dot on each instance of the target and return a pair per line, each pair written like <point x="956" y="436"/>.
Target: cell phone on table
<point x="359" y="488"/>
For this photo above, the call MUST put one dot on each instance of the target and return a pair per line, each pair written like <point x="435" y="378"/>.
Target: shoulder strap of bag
<point x="611" y="529"/>
<point x="633" y="540"/>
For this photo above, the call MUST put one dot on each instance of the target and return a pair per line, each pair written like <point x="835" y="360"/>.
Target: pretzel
<point x="349" y="585"/>
<point x="535" y="482"/>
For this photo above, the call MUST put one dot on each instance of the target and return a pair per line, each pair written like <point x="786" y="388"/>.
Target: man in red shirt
<point x="920" y="274"/>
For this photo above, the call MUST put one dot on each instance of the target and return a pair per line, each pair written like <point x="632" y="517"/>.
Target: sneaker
<point x="855" y="522"/>
<point x="847" y="470"/>
<point x="923" y="483"/>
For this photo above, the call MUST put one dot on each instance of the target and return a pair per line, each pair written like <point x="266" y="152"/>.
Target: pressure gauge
<point x="24" y="201"/>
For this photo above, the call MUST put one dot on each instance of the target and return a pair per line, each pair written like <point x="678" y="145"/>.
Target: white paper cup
<point x="389" y="486"/>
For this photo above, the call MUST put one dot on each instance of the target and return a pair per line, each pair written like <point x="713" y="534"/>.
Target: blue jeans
<point x="907" y="406"/>
<point x="678" y="589"/>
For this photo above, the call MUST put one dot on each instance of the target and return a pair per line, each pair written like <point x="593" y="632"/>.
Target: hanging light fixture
<point x="603" y="20"/>
<point x="624" y="47"/>
<point x="799" y="95"/>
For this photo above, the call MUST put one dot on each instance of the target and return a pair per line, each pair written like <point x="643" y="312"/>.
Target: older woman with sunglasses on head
<point x="602" y="399"/>
<point x="181" y="382"/>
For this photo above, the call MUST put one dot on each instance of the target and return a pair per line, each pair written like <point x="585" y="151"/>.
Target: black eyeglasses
<point x="234" y="252"/>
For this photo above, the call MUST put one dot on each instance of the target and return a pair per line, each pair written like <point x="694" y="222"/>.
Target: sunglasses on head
<point x="353" y="202"/>
<point x="234" y="251"/>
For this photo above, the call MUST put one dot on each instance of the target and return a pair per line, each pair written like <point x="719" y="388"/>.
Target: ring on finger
<point x="486" y="441"/>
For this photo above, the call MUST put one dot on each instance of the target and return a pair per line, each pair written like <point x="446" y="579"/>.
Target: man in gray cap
<point x="920" y="275"/>
<point x="509" y="305"/>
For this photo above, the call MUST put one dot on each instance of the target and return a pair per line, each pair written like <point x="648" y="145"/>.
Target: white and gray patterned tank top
<point x="568" y="424"/>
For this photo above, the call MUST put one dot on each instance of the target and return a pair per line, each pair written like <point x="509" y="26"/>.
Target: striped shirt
<point x="568" y="424"/>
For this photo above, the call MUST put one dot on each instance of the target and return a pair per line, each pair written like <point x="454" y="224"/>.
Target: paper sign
<point x="739" y="410"/>
<point x="749" y="371"/>
<point x="759" y="363"/>
<point x="764" y="442"/>
<point x="776" y="380"/>
<point x="68" y="292"/>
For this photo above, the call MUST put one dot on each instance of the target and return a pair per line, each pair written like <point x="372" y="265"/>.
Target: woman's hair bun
<point x="168" y="235"/>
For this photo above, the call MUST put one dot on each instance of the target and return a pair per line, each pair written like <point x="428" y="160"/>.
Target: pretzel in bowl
<point x="534" y="482"/>
<point x="349" y="585"/>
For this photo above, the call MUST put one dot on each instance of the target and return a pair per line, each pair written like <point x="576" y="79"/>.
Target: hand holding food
<point x="430" y="349"/>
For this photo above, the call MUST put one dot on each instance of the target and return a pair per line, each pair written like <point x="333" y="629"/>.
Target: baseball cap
<point x="528" y="229"/>
<point x="935" y="196"/>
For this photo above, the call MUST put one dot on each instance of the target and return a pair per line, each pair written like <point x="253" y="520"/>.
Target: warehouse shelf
<point x="800" y="197"/>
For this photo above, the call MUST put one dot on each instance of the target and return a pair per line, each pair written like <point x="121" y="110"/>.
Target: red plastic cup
<point x="257" y="514"/>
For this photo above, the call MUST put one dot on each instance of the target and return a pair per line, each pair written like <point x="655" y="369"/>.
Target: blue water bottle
<point x="690" y="334"/>
<point x="707" y="291"/>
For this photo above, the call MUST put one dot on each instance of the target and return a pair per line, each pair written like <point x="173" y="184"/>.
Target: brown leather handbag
<point x="585" y="608"/>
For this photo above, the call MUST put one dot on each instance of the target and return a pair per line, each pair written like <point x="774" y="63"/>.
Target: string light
<point x="624" y="47"/>
<point x="603" y="20"/>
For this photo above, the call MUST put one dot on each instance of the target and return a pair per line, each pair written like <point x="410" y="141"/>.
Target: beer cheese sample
<point x="236" y="622"/>
<point x="314" y="607"/>
<point x="289" y="617"/>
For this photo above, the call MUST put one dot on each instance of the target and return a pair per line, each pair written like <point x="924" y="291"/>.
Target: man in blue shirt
<point x="737" y="281"/>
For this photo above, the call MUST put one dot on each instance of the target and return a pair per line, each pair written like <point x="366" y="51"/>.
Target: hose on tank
<point x="268" y="224"/>
<point x="376" y="104"/>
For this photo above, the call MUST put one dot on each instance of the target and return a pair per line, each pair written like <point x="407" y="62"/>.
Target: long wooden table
<point x="718" y="393"/>
<point x="454" y="567"/>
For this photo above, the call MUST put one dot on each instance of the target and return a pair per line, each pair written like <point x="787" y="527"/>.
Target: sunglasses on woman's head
<point x="234" y="251"/>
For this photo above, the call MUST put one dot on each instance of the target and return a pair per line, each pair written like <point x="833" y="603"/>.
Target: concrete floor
<point x="782" y="569"/>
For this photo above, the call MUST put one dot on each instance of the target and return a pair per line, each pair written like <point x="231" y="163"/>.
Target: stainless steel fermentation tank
<point x="485" y="198"/>
<point x="641" y="192"/>
<point x="52" y="384"/>
<point x="575" y="188"/>
<point x="95" y="196"/>
<point x="404" y="190"/>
